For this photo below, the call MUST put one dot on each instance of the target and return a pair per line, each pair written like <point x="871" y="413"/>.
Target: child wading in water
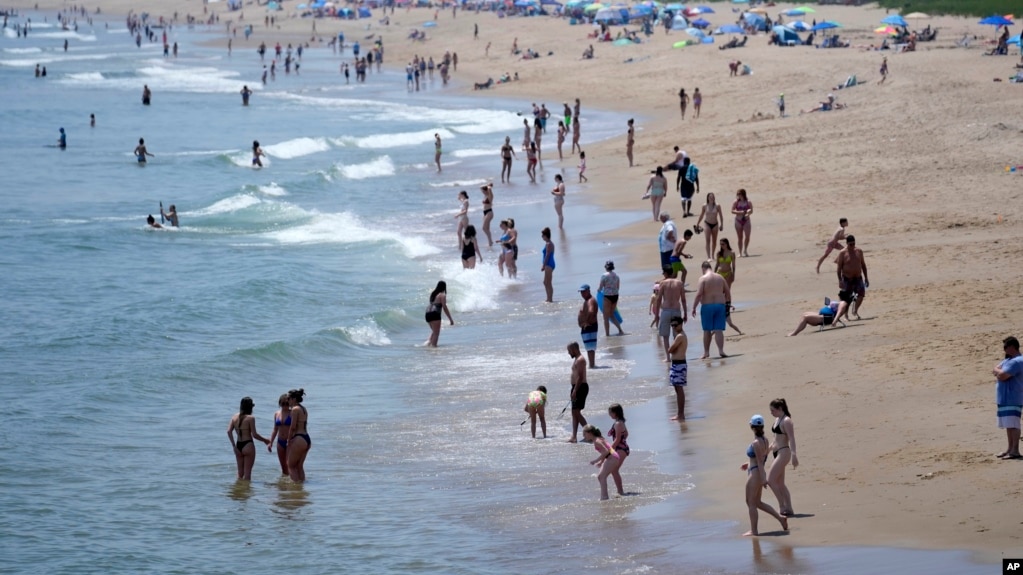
<point x="535" y="404"/>
<point x="609" y="461"/>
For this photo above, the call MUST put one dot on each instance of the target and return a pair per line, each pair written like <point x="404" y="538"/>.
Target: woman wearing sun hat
<point x="756" y="478"/>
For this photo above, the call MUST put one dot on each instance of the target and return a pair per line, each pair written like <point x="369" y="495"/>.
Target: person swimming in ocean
<point x="257" y="152"/>
<point x="152" y="222"/>
<point x="62" y="140"/>
<point x="171" y="215"/>
<point x="141" y="153"/>
<point x="246" y="92"/>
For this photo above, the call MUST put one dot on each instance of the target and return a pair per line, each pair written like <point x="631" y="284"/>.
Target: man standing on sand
<point x="852" y="273"/>
<point x="835" y="243"/>
<point x="1009" y="396"/>
<point x="679" y="375"/>
<point x="580" y="389"/>
<point x="666" y="240"/>
<point x="588" y="323"/>
<point x="712" y="291"/>
<point x="671" y="300"/>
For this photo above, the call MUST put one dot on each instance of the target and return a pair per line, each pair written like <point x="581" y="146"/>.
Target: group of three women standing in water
<point x="290" y="431"/>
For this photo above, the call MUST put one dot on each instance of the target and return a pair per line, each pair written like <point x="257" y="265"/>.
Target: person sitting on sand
<point x="588" y="53"/>
<point x="826" y="106"/>
<point x="830" y="314"/>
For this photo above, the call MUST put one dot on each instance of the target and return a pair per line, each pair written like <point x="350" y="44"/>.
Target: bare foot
<point x="722" y="354"/>
<point x="750" y="534"/>
<point x="705" y="356"/>
<point x="678" y="418"/>
<point x="784" y="524"/>
<point x="573" y="440"/>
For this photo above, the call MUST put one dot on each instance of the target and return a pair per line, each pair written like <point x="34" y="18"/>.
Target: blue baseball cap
<point x="584" y="287"/>
<point x="757" y="421"/>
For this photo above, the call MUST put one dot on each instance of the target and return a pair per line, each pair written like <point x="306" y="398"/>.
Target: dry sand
<point x="894" y="414"/>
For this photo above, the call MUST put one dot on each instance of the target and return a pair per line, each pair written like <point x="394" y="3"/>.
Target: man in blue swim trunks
<point x="588" y="323"/>
<point x="712" y="291"/>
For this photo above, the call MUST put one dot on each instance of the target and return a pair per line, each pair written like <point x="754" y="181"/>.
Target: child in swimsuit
<point x="582" y="167"/>
<point x="535" y="404"/>
<point x="609" y="460"/>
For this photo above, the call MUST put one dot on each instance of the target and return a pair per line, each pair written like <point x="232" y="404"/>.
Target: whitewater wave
<point x="366" y="332"/>
<point x="378" y="167"/>
<point x="401" y="139"/>
<point x="272" y="190"/>
<point x="460" y="184"/>
<point x="297" y="148"/>
<point x="347" y="228"/>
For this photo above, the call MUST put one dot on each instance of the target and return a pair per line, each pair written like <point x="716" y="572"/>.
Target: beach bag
<point x="692" y="173"/>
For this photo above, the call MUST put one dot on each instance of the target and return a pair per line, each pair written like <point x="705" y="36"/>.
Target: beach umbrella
<point x="806" y="10"/>
<point x="705" y="10"/>
<point x="524" y="3"/>
<point x="916" y="16"/>
<point x="891" y="31"/>
<point x="793" y="12"/>
<point x="895" y="20"/>
<point x="996" y="21"/>
<point x="758" y="11"/>
<point x="622" y="42"/>
<point x="593" y="8"/>
<point x="681" y="44"/>
<point x="1015" y="40"/>
<point x="608" y="15"/>
<point x="675" y="7"/>
<point x="273" y="6"/>
<point x="729" y="29"/>
<point x="740" y="1"/>
<point x="700" y="23"/>
<point x="826" y="25"/>
<point x="798" y="25"/>
<point x="695" y="32"/>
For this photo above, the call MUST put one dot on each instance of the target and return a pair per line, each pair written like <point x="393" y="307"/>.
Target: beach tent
<point x="740" y="1"/>
<point x="590" y="9"/>
<point x="609" y="15"/>
<point x="786" y="35"/>
<point x="826" y="25"/>
<point x="729" y="29"/>
<point x="1015" y="40"/>
<point x="696" y="33"/>
<point x="679" y="23"/>
<point x="895" y="20"/>
<point x="273" y="6"/>
<point x="364" y="12"/>
<point x="798" y="26"/>
<point x="703" y="10"/>
<point x="699" y="23"/>
<point x="756" y="22"/>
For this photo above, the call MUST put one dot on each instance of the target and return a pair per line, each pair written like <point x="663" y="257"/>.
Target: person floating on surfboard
<point x="141" y="152"/>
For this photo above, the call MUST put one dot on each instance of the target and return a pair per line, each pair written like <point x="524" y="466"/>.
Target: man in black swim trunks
<point x="580" y="389"/>
<point x="852" y="275"/>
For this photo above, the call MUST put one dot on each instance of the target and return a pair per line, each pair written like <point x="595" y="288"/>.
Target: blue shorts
<point x="589" y="335"/>
<point x="712" y="317"/>
<point x="679" y="374"/>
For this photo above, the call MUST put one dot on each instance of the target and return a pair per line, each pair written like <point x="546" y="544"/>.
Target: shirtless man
<point x="630" y="140"/>
<point x="679" y="375"/>
<point x="712" y="291"/>
<point x="507" y="152"/>
<point x="835" y="242"/>
<point x="671" y="300"/>
<point x="852" y="275"/>
<point x="580" y="389"/>
<point x="588" y="323"/>
<point x="677" y="267"/>
<point x="141" y="152"/>
<point x="171" y="215"/>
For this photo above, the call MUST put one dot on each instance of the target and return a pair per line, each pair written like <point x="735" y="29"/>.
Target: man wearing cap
<point x="588" y="323"/>
<point x="1009" y="396"/>
<point x="666" y="240"/>
<point x="852" y="275"/>
<point x="671" y="300"/>
<point x="712" y="291"/>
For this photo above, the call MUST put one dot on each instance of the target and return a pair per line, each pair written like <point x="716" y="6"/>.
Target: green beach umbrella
<point x="593" y="7"/>
<point x="804" y="10"/>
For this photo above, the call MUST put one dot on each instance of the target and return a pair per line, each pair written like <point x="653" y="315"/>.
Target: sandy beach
<point x="895" y="413"/>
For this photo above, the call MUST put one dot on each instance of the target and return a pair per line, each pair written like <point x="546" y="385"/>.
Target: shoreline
<point x="773" y="313"/>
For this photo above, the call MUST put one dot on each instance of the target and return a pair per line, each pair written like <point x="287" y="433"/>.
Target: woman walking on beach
<point x="537" y="138"/>
<point x="725" y="267"/>
<point x="562" y="131"/>
<point x="609" y="285"/>
<point x="507" y="153"/>
<point x="436" y="147"/>
<point x="710" y="214"/>
<point x="697" y="102"/>
<point x="609" y="460"/>
<point x="299" y="443"/>
<point x="743" y="209"/>
<point x="784" y="449"/>
<point x="526" y="139"/>
<point x="510" y="248"/>
<point x="438" y="303"/>
<point x="756" y="478"/>
<point x="683" y="101"/>
<point x="282" y="430"/>
<point x="548" y="264"/>
<point x="618" y="434"/>
<point x="244" y="425"/>
<point x="531" y="154"/>
<point x="463" y="214"/>
<point x="655" y="189"/>
<point x="559" y="199"/>
<point x="470" y="248"/>
<point x="488" y="210"/>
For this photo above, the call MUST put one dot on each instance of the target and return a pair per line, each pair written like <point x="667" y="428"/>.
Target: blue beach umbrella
<point x="996" y="21"/>
<point x="700" y="23"/>
<point x="826" y="25"/>
<point x="895" y="20"/>
<point x="676" y="8"/>
<point x="729" y="29"/>
<point x="794" y="12"/>
<point x="798" y="25"/>
<point x="273" y="6"/>
<point x="704" y="10"/>
<point x="1015" y="40"/>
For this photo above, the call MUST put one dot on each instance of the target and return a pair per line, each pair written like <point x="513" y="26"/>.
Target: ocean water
<point x="125" y="350"/>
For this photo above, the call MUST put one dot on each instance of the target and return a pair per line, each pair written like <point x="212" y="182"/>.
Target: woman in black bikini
<point x="438" y="303"/>
<point x="470" y="249"/>
<point x="710" y="214"/>
<point x="299" y="442"/>
<point x="244" y="424"/>
<point x="488" y="210"/>
<point x="282" y="429"/>
<point x="784" y="449"/>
